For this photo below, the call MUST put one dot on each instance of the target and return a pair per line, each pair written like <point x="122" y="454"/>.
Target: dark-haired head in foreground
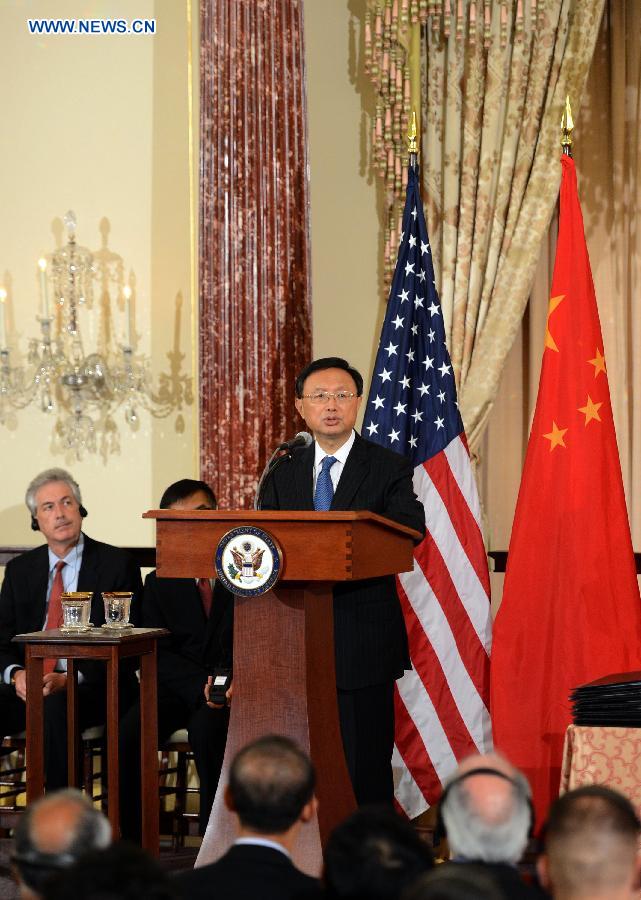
<point x="271" y="790"/>
<point x="52" y="834"/>
<point x="121" y="872"/>
<point x="186" y="489"/>
<point x="591" y="845"/>
<point x="373" y="855"/>
<point x="450" y="882"/>
<point x="270" y="782"/>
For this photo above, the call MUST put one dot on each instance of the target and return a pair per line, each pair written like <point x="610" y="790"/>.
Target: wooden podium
<point x="284" y="674"/>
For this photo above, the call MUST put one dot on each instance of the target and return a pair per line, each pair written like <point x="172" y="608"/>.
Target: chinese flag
<point x="571" y="610"/>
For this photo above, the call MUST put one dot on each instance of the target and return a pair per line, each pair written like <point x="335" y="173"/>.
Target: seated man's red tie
<point x="206" y="595"/>
<point x="54" y="613"/>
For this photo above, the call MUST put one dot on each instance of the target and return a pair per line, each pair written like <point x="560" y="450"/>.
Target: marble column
<point x="255" y="306"/>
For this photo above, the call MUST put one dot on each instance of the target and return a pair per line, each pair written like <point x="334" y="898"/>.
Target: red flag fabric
<point x="571" y="610"/>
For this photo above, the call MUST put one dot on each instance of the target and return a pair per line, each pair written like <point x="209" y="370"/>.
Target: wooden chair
<point x="12" y="780"/>
<point x="176" y="820"/>
<point x="13" y="773"/>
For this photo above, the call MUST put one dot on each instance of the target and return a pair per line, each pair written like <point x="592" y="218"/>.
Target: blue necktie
<point x="324" y="493"/>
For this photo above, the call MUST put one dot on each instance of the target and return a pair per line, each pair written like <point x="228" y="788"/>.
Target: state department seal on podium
<point x="248" y="561"/>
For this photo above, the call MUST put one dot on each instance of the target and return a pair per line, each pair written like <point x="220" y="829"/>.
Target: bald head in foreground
<point x="52" y="835"/>
<point x="591" y="846"/>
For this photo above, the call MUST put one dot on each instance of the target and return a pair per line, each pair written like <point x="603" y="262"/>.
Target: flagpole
<point x="442" y="703"/>
<point x="412" y="143"/>
<point x="567" y="124"/>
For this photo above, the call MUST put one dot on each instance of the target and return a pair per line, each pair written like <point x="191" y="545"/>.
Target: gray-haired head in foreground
<point x="47" y="477"/>
<point x="54" y="832"/>
<point x="487" y="816"/>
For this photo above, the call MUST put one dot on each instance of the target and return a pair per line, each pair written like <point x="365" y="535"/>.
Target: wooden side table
<point x="112" y="647"/>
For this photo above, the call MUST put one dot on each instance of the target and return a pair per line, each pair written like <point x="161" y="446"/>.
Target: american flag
<point x="442" y="704"/>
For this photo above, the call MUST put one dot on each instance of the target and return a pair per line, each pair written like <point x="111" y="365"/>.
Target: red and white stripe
<point x="442" y="704"/>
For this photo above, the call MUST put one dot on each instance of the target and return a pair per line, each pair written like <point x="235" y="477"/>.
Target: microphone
<point x="302" y="439"/>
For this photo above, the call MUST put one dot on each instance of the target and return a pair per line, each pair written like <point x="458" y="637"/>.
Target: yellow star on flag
<point x="591" y="410"/>
<point x="549" y="340"/>
<point x="598" y="362"/>
<point x="555" y="437"/>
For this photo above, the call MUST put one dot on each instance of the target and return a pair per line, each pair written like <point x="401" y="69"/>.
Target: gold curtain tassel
<point x="519" y="20"/>
<point x="447" y="19"/>
<point x="388" y="128"/>
<point x="378" y="31"/>
<point x="487" y="28"/>
<point x="503" y="23"/>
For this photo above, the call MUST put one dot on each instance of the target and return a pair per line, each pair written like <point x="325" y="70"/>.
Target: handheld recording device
<point x="221" y="679"/>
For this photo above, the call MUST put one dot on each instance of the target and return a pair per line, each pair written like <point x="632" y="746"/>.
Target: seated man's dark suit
<point x="369" y="631"/>
<point x="195" y="646"/>
<point x="248" y="871"/>
<point x="23" y="600"/>
<point x="508" y="879"/>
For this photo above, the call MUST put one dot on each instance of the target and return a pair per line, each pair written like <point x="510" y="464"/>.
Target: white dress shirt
<point x="70" y="573"/>
<point x="339" y="455"/>
<point x="261" y="842"/>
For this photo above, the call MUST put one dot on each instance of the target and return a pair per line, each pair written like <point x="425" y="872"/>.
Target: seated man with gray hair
<point x="486" y="814"/>
<point x="30" y="600"/>
<point x="591" y="846"/>
<point x="52" y="835"/>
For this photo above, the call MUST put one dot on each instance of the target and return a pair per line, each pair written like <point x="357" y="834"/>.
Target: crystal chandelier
<point x="83" y="390"/>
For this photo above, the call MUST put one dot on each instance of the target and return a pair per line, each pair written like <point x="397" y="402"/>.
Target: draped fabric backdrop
<point x="255" y="331"/>
<point x="607" y="152"/>
<point x="491" y="129"/>
<point x="489" y="80"/>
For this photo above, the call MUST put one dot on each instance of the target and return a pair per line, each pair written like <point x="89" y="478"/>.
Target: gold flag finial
<point x="567" y="124"/>
<point x="412" y="144"/>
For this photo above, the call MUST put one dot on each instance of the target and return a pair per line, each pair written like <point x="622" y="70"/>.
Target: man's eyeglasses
<point x="323" y="396"/>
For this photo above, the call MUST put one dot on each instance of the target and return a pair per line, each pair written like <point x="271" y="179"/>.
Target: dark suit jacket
<point x="246" y="871"/>
<point x="508" y="880"/>
<point x="369" y="631"/>
<point x="196" y="645"/>
<point x="24" y="594"/>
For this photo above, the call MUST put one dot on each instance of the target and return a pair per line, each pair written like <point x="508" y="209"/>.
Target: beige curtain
<point x="492" y="101"/>
<point x="607" y="151"/>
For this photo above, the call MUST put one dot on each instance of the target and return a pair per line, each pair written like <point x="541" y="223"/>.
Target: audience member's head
<point x="271" y="786"/>
<point x="591" y="845"/>
<point x="55" y="503"/>
<point x="374" y="855"/>
<point x="121" y="872"/>
<point x="52" y="834"/>
<point x="486" y="811"/>
<point x="452" y="882"/>
<point x="188" y="494"/>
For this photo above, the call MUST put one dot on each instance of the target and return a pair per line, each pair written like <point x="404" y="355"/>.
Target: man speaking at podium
<point x="341" y="470"/>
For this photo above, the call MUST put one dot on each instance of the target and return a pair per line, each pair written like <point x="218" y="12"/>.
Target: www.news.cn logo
<point x="91" y="26"/>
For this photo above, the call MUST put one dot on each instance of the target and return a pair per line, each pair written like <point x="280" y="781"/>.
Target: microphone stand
<point x="302" y="439"/>
<point x="272" y="463"/>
